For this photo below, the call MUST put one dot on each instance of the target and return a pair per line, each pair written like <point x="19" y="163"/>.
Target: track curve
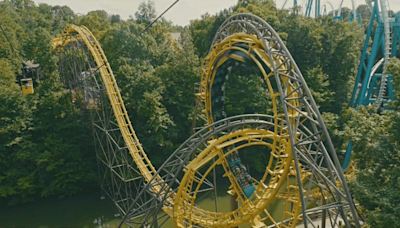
<point x="131" y="140"/>
<point x="296" y="130"/>
<point x="248" y="39"/>
<point x="387" y="48"/>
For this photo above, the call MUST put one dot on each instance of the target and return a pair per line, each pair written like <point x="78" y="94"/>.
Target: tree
<point x="23" y="4"/>
<point x="203" y="30"/>
<point x="181" y="71"/>
<point x="65" y="159"/>
<point x="143" y="93"/>
<point x="303" y="39"/>
<point x="115" y="18"/>
<point x="10" y="36"/>
<point x="364" y="12"/>
<point x="246" y="94"/>
<point x="265" y="9"/>
<point x="168" y="25"/>
<point x="375" y="148"/>
<point x="146" y="12"/>
<point x="17" y="177"/>
<point x="345" y="13"/>
<point x="342" y="45"/>
<point x="42" y="152"/>
<point x="96" y="24"/>
<point x="318" y="82"/>
<point x="38" y="48"/>
<point x="102" y="14"/>
<point x="393" y="68"/>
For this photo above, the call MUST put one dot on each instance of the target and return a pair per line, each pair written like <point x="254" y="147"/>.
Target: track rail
<point x="296" y="130"/>
<point x="247" y="38"/>
<point x="131" y="140"/>
<point x="387" y="48"/>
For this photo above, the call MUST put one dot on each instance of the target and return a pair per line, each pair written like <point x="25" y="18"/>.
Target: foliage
<point x="143" y="92"/>
<point x="342" y="45"/>
<point x="181" y="71"/>
<point x="393" y="68"/>
<point x="64" y="158"/>
<point x="97" y="24"/>
<point x="318" y="83"/>
<point x="17" y="180"/>
<point x="247" y="94"/>
<point x="10" y="36"/>
<point x="375" y="140"/>
<point x="329" y="47"/>
<point x="146" y="13"/>
<point x="364" y="13"/>
<point x="375" y="148"/>
<point x="203" y="30"/>
<point x="46" y="146"/>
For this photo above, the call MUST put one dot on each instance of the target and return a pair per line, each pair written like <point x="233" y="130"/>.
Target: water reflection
<point x="89" y="210"/>
<point x="83" y="210"/>
<point x="101" y="222"/>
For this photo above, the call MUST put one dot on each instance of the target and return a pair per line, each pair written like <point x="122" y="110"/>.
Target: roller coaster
<point x="318" y="10"/>
<point x="302" y="164"/>
<point x="373" y="86"/>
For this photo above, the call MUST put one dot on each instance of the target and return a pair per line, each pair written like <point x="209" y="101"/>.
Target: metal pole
<point x="215" y="187"/>
<point x="323" y="211"/>
<point x="234" y="204"/>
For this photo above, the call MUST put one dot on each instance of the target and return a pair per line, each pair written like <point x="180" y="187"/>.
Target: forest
<point x="47" y="150"/>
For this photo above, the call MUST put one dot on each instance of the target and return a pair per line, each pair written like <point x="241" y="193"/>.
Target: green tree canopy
<point x="375" y="140"/>
<point x="146" y="12"/>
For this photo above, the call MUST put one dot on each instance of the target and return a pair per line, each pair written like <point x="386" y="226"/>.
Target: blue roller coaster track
<point x="373" y="85"/>
<point x="317" y="9"/>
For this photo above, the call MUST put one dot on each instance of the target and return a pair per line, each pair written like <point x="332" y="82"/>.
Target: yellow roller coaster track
<point x="240" y="38"/>
<point x="131" y="140"/>
<point x="180" y="205"/>
<point x="200" y="216"/>
<point x="265" y="194"/>
<point x="147" y="170"/>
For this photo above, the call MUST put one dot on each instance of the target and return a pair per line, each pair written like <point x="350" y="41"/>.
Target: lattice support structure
<point x="383" y="31"/>
<point x="317" y="8"/>
<point x="373" y="85"/>
<point x="119" y="178"/>
<point x="79" y="72"/>
<point x="302" y="164"/>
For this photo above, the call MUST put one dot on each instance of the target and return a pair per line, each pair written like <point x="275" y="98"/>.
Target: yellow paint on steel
<point x="249" y="210"/>
<point x="59" y="42"/>
<point x="184" y="208"/>
<point x="256" y="51"/>
<point x="350" y="171"/>
<point x="147" y="170"/>
<point x="256" y="45"/>
<point x="83" y="34"/>
<point x="27" y="86"/>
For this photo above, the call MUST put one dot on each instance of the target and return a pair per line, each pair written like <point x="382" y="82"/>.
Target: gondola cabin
<point x="27" y="86"/>
<point x="30" y="76"/>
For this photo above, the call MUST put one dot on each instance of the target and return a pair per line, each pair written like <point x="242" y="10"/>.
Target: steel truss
<point x="298" y="148"/>
<point x="373" y="85"/>
<point x="78" y="69"/>
<point x="294" y="134"/>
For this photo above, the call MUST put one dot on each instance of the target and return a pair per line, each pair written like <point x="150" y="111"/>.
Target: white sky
<point x="183" y="11"/>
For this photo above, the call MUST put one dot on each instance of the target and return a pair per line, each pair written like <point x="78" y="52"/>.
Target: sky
<point x="183" y="11"/>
